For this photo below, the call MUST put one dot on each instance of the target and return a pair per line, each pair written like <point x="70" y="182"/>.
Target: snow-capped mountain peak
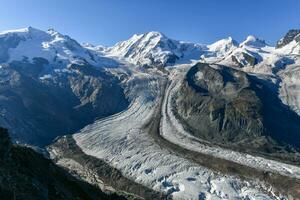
<point x="149" y="40"/>
<point x="154" y="48"/>
<point x="291" y="35"/>
<point x="21" y="31"/>
<point x="154" y="34"/>
<point x="253" y="41"/>
<point x="52" y="31"/>
<point x="223" y="46"/>
<point x="58" y="49"/>
<point x="290" y="43"/>
<point x="24" y="34"/>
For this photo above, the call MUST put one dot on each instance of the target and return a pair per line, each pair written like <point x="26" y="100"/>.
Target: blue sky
<point x="202" y="21"/>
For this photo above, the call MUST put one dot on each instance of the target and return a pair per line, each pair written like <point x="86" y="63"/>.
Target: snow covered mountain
<point x="37" y="69"/>
<point x="155" y="49"/>
<point x="156" y="127"/>
<point x="291" y="35"/>
<point x="252" y="55"/>
<point x="290" y="43"/>
<point x="222" y="47"/>
<point x="29" y="43"/>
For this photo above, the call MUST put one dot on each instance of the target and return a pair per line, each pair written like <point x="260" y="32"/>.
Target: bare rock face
<point x="36" y="108"/>
<point x="225" y="109"/>
<point x="229" y="107"/>
<point x="291" y="35"/>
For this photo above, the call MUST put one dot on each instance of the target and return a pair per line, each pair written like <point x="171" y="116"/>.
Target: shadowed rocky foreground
<point x="26" y="174"/>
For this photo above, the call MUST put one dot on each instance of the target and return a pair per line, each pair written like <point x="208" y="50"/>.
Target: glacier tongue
<point x="122" y="141"/>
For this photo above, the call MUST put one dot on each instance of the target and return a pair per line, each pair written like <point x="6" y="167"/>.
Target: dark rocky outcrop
<point x="233" y="109"/>
<point x="25" y="174"/>
<point x="248" y="58"/>
<point x="293" y="34"/>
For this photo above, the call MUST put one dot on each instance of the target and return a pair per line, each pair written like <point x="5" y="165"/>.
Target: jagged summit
<point x="290" y="43"/>
<point x="293" y="34"/>
<point x="154" y="48"/>
<point x="253" y="41"/>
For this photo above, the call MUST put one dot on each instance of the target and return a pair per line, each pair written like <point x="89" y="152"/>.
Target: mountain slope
<point x="51" y="85"/>
<point x="290" y="36"/>
<point x="25" y="174"/>
<point x="280" y="63"/>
